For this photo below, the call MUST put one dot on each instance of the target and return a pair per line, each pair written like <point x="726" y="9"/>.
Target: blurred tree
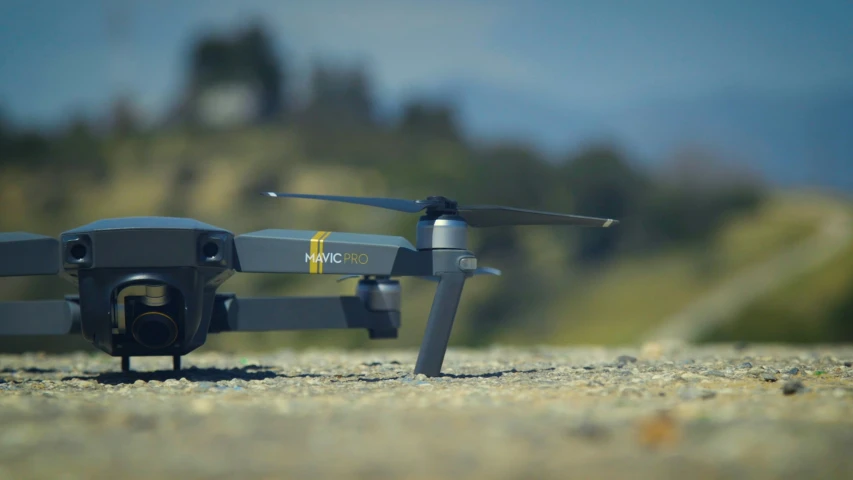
<point x="696" y="193"/>
<point x="515" y="175"/>
<point x="78" y="149"/>
<point x="431" y="121"/>
<point x="840" y="322"/>
<point x="124" y="119"/>
<point x="244" y="68"/>
<point x="5" y="130"/>
<point x="340" y="98"/>
<point x="255" y="54"/>
<point x="29" y="149"/>
<point x="211" y="62"/>
<point x="24" y="148"/>
<point x="603" y="184"/>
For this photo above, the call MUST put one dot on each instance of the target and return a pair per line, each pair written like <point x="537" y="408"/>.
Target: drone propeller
<point x="474" y="215"/>
<point x="399" y="204"/>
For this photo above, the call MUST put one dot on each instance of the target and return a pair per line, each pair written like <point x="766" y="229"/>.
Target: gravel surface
<point x="652" y="412"/>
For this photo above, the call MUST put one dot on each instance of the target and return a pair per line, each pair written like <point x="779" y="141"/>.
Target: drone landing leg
<point x="176" y="362"/>
<point x="440" y="324"/>
<point x="125" y="364"/>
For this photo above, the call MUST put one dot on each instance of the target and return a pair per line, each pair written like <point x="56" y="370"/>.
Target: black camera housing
<point x="190" y="258"/>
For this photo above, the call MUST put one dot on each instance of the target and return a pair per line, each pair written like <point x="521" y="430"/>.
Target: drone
<point x="147" y="286"/>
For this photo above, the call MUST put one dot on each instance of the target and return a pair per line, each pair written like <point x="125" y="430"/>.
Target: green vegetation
<point x="814" y="308"/>
<point x="625" y="299"/>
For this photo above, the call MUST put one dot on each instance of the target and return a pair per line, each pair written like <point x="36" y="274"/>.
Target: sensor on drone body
<point x="147" y="286"/>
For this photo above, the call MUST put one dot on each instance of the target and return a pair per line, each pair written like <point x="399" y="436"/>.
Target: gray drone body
<point x="148" y="286"/>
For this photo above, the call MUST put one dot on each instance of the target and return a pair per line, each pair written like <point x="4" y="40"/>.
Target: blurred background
<point x="720" y="133"/>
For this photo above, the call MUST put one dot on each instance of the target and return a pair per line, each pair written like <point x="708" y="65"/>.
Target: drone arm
<point x="25" y="254"/>
<point x="331" y="253"/>
<point x="233" y="314"/>
<point x="40" y="317"/>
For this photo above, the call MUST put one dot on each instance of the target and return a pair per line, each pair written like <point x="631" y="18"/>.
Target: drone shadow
<point x="493" y="374"/>
<point x="461" y="376"/>
<point x="191" y="374"/>
<point x="29" y="370"/>
<point x="254" y="373"/>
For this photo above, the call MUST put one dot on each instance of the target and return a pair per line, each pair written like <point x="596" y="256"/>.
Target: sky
<point x="58" y="57"/>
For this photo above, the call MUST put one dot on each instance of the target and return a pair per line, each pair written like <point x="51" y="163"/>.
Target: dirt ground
<point x="727" y="411"/>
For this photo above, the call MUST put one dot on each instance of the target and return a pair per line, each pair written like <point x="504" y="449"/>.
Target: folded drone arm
<point x="25" y="254"/>
<point x="331" y="253"/>
<point x="40" y="317"/>
<point x="233" y="314"/>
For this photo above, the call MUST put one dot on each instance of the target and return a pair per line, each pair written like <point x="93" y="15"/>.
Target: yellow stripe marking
<point x="314" y="265"/>
<point x="322" y="244"/>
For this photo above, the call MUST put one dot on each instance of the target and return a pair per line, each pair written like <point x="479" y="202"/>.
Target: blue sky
<point x="55" y="56"/>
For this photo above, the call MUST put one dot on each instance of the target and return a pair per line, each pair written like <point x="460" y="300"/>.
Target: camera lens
<point x="154" y="330"/>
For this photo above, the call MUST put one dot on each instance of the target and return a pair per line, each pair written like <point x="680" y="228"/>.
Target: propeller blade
<point x="399" y="204"/>
<point x="348" y="277"/>
<point x="497" y="216"/>
<point x="474" y="215"/>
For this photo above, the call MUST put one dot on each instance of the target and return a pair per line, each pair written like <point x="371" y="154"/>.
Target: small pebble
<point x="768" y="377"/>
<point x="745" y="365"/>
<point x="848" y="364"/>
<point x="623" y="359"/>
<point x="794" y="371"/>
<point x="792" y="387"/>
<point x="631" y="392"/>
<point x="692" y="393"/>
<point x="591" y="431"/>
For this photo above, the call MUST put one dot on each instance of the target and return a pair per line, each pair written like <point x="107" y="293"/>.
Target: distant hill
<point x="798" y="141"/>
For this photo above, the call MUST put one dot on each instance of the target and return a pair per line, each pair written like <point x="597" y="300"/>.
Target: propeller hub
<point x="438" y="205"/>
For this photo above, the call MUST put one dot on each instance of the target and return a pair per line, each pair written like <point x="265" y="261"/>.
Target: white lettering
<point x="355" y="258"/>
